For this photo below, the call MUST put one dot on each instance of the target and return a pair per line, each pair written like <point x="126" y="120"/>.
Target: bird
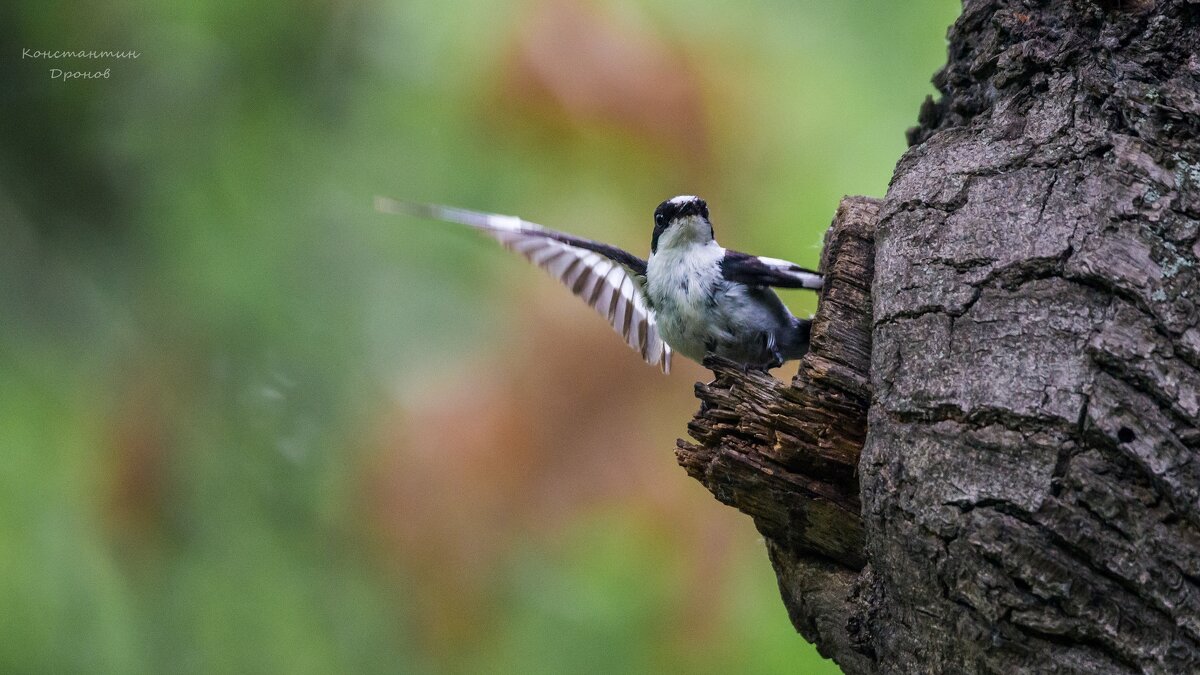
<point x="690" y="295"/>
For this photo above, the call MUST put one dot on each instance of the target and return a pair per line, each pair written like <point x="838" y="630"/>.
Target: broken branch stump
<point x="787" y="454"/>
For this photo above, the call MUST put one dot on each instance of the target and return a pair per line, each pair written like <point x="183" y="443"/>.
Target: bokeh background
<point x="249" y="425"/>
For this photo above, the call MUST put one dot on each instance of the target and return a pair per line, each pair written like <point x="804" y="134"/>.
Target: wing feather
<point x="756" y="270"/>
<point x="609" y="280"/>
<point x="604" y="295"/>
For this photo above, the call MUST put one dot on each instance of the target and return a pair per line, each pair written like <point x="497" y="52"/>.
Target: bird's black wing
<point x="610" y="280"/>
<point x="754" y="270"/>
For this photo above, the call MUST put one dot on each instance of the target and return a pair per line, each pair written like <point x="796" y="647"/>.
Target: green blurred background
<point x="249" y="425"/>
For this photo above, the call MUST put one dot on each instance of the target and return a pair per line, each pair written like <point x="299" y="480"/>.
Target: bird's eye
<point x="659" y="218"/>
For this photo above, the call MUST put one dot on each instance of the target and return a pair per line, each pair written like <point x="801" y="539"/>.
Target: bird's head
<point x="681" y="221"/>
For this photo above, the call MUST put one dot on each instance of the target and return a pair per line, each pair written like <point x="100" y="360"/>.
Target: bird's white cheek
<point x="670" y="238"/>
<point x="685" y="231"/>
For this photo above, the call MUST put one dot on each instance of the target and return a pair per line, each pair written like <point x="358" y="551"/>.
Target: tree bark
<point x="1028" y="493"/>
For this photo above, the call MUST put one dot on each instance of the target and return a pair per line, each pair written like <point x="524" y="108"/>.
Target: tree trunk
<point x="1028" y="495"/>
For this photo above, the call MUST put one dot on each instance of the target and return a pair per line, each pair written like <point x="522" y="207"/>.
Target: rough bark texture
<point x="1030" y="482"/>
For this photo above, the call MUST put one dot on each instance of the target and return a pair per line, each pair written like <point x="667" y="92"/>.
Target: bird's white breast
<point x="680" y="282"/>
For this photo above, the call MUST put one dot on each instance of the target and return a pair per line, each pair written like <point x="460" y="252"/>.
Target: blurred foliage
<point x="248" y="425"/>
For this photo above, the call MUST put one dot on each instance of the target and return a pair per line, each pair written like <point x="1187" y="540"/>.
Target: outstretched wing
<point x="754" y="270"/>
<point x="610" y="280"/>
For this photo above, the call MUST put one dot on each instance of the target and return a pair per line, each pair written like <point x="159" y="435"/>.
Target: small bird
<point x="691" y="296"/>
